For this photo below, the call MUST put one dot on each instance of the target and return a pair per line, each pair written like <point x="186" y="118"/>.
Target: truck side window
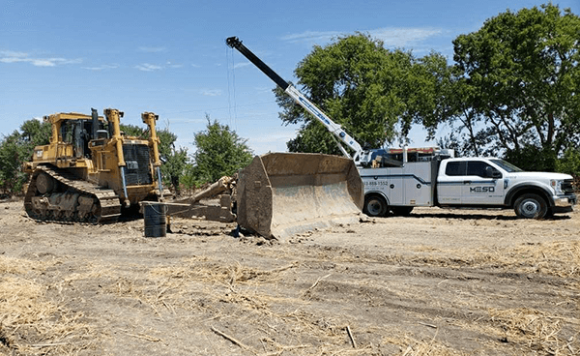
<point x="478" y="168"/>
<point x="456" y="169"/>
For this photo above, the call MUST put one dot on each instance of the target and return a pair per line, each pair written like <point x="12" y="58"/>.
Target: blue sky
<point x="170" y="57"/>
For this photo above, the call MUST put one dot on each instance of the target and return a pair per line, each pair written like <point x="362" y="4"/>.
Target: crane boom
<point x="299" y="98"/>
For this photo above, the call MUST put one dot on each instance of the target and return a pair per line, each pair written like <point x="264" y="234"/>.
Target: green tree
<point x="134" y="130"/>
<point x="188" y="179"/>
<point x="428" y="91"/>
<point x="219" y="152"/>
<point x="35" y="133"/>
<point x="569" y="163"/>
<point x="174" y="160"/>
<point x="12" y="154"/>
<point x="17" y="148"/>
<point x="519" y="75"/>
<point x="365" y="88"/>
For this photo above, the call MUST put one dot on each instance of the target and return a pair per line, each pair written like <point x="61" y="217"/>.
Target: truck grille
<point x="137" y="159"/>
<point x="568" y="186"/>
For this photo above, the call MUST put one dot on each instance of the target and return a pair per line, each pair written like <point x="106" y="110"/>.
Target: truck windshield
<point x="508" y="167"/>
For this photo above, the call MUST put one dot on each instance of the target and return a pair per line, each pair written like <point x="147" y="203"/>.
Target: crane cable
<point x="231" y="87"/>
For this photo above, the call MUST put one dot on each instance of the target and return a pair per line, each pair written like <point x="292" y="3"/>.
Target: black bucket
<point x="154" y="216"/>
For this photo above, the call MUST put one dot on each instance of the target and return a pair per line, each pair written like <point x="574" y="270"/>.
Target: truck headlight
<point x="556" y="185"/>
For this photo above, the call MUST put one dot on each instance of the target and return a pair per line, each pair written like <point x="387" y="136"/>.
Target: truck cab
<point x="493" y="182"/>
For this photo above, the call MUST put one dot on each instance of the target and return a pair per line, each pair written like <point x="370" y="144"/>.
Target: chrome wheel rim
<point x="530" y="208"/>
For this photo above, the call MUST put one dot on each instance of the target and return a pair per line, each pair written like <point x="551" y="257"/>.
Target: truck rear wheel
<point x="375" y="205"/>
<point x="531" y="206"/>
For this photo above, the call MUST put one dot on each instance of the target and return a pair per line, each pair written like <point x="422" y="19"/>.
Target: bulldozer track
<point x="105" y="206"/>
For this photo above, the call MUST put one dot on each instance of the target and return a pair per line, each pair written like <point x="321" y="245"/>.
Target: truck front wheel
<point x="531" y="206"/>
<point x="375" y="205"/>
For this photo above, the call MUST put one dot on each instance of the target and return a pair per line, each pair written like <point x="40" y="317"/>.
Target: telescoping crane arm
<point x="330" y="125"/>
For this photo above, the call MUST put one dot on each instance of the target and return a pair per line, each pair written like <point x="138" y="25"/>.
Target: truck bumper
<point x="564" y="204"/>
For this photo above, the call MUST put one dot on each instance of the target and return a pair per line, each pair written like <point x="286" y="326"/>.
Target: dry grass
<point x="18" y="266"/>
<point x="529" y="331"/>
<point x="177" y="287"/>
<point x="537" y="330"/>
<point x="409" y="346"/>
<point x="22" y="303"/>
<point x="555" y="258"/>
<point x="32" y="324"/>
<point x="197" y="282"/>
<point x="558" y="258"/>
<point x="204" y="270"/>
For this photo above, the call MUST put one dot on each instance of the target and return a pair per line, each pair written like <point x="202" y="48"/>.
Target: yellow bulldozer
<point x="90" y="170"/>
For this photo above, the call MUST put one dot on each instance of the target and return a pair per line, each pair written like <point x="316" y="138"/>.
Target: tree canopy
<point x="363" y="87"/>
<point x="519" y="77"/>
<point x="17" y="148"/>
<point x="174" y="160"/>
<point x="219" y="152"/>
<point x="512" y="91"/>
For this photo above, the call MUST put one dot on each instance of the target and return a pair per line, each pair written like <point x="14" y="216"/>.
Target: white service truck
<point x="433" y="177"/>
<point x="398" y="180"/>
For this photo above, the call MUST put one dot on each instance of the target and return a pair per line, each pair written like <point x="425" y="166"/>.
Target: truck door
<point x="396" y="187"/>
<point x="386" y="181"/>
<point x="450" y="182"/>
<point x="417" y="184"/>
<point x="482" y="184"/>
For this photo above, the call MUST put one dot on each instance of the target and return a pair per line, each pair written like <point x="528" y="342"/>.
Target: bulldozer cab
<point x="72" y="132"/>
<point x="77" y="134"/>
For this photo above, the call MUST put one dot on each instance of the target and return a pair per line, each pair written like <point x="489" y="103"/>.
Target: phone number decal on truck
<point x="375" y="183"/>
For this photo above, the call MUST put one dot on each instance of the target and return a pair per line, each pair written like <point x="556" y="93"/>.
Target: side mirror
<point x="488" y="172"/>
<point x="492" y="173"/>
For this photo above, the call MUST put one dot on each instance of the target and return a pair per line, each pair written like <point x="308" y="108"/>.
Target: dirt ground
<point x="439" y="282"/>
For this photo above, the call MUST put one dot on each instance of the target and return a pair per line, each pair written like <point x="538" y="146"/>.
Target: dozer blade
<point x="281" y="194"/>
